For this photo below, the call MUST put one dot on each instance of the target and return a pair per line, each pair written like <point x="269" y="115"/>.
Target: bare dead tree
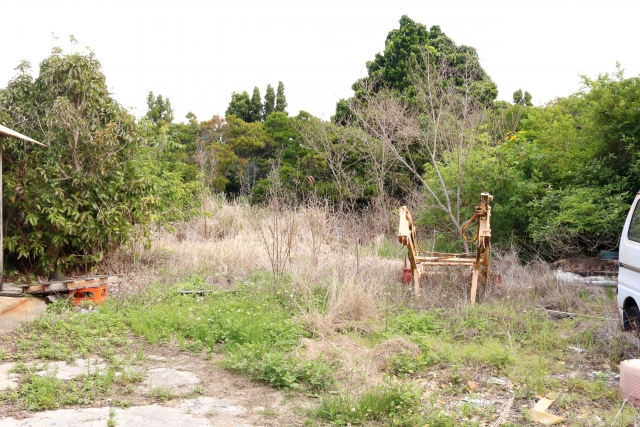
<point x="334" y="145"/>
<point x="437" y="127"/>
<point x="248" y="177"/>
<point x="278" y="228"/>
<point x="209" y="133"/>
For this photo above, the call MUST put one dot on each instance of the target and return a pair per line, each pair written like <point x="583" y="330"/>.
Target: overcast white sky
<point x="198" y="52"/>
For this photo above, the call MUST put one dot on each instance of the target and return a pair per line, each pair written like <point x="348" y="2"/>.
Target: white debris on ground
<point x="565" y="276"/>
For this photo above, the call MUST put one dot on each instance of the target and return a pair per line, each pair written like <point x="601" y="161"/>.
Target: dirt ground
<point x="14" y="311"/>
<point x="217" y="398"/>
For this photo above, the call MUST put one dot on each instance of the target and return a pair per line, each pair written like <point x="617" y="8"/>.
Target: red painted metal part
<point x="406" y="275"/>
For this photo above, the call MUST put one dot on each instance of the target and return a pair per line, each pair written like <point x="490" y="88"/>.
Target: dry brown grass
<point x="354" y="364"/>
<point x="536" y="283"/>
<point x="524" y="285"/>
<point x="383" y="351"/>
<point x="174" y="254"/>
<point x="325" y="258"/>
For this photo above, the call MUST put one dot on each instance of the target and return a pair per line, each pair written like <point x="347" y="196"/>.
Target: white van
<point x="629" y="273"/>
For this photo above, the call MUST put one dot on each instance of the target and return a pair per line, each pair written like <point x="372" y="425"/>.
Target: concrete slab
<point x="7" y="380"/>
<point x="210" y="405"/>
<point x="14" y="311"/>
<point x="67" y="371"/>
<point x="157" y="358"/>
<point x="201" y="412"/>
<point x="169" y="377"/>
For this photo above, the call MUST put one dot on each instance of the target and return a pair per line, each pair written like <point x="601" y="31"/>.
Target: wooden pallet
<point x="58" y="286"/>
<point x="11" y="290"/>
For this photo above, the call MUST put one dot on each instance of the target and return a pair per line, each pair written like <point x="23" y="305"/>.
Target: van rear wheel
<point x="631" y="319"/>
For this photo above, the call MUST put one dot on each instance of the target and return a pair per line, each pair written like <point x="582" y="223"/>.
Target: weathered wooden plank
<point x="42" y="288"/>
<point x="72" y="283"/>
<point x="11" y="292"/>
<point x="87" y="283"/>
<point x="442" y="263"/>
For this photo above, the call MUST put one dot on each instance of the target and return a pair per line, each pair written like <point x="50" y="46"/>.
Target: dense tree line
<point x="424" y="120"/>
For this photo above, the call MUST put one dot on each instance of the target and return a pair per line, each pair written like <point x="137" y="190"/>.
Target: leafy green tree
<point x="520" y="99"/>
<point x="255" y="107"/>
<point x="159" y="110"/>
<point x="404" y="48"/>
<point x="556" y="190"/>
<point x="168" y="160"/>
<point x="235" y="153"/>
<point x="175" y="182"/>
<point x="278" y="125"/>
<point x="281" y="99"/>
<point x="240" y="106"/>
<point x="192" y="118"/>
<point x="269" y="101"/>
<point x="612" y="113"/>
<point x="71" y="202"/>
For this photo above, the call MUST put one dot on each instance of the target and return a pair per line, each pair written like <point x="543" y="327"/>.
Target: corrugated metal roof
<point x="5" y="131"/>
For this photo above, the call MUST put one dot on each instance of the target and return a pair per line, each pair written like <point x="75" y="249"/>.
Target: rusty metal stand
<point x="479" y="264"/>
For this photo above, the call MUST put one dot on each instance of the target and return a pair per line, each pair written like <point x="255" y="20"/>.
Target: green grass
<point x="394" y="403"/>
<point x="162" y="393"/>
<point x="255" y="329"/>
<point x="390" y="250"/>
<point x="48" y="392"/>
<point x="111" y="422"/>
<point x="241" y="317"/>
<point x="253" y="326"/>
<point x="65" y="334"/>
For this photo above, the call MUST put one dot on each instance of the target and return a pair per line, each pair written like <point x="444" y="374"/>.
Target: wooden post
<point x="485" y="261"/>
<point x="474" y="284"/>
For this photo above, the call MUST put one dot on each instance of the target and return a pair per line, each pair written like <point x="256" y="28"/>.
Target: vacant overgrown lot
<point x="311" y="304"/>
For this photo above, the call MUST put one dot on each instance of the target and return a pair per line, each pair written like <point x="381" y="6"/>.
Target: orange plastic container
<point x="96" y="295"/>
<point x="630" y="380"/>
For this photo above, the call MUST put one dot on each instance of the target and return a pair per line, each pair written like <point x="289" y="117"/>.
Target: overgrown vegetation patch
<point x="425" y="357"/>
<point x="65" y="334"/>
<point x="252" y="325"/>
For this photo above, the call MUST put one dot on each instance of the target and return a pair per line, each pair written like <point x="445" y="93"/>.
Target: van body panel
<point x="629" y="259"/>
